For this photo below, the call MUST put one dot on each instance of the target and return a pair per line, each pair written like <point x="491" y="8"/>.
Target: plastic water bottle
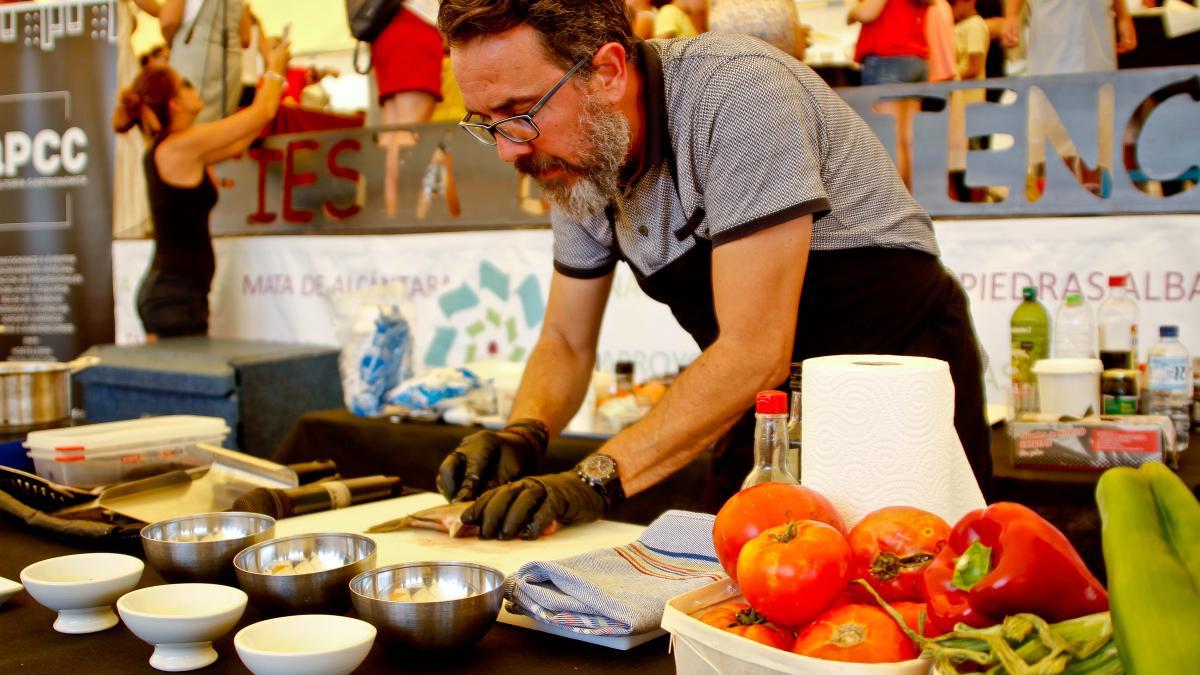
<point x="1118" y="319"/>
<point x="1073" y="330"/>
<point x="1170" y="388"/>
<point x="770" y="440"/>
<point x="1030" y="331"/>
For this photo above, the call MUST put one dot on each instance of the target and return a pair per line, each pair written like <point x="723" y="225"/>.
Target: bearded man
<point x="741" y="191"/>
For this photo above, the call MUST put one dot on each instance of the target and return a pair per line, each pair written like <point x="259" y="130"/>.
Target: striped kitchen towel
<point x="623" y="590"/>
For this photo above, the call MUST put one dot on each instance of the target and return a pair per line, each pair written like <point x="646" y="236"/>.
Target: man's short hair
<point x="570" y="30"/>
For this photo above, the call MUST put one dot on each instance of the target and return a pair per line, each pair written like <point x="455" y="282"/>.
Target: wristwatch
<point x="600" y="472"/>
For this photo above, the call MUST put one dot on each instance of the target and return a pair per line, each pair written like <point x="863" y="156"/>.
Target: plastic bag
<point x="377" y="346"/>
<point x="435" y="390"/>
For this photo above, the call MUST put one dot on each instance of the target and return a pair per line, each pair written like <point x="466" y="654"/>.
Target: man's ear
<point x="611" y="71"/>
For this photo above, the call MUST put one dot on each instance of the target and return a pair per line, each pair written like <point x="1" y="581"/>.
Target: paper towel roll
<point x="879" y="431"/>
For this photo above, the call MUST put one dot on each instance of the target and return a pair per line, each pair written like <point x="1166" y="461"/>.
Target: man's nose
<point x="509" y="151"/>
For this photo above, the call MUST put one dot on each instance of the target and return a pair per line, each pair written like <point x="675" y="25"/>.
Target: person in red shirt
<point x="892" y="48"/>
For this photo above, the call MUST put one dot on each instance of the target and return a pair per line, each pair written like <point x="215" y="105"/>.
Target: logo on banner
<point x="46" y="154"/>
<point x="489" y="319"/>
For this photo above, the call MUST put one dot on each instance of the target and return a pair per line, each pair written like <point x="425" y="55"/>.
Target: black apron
<point x="854" y="301"/>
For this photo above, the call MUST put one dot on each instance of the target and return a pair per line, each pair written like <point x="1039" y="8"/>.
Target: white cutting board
<point x="506" y="556"/>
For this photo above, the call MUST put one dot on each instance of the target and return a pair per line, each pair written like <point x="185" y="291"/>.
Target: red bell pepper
<point x="1003" y="560"/>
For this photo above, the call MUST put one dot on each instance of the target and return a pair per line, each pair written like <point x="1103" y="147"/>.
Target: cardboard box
<point x="1092" y="443"/>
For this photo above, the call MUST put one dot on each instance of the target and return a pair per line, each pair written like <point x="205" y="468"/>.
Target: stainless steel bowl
<point x="304" y="572"/>
<point x="201" y="548"/>
<point x="429" y="606"/>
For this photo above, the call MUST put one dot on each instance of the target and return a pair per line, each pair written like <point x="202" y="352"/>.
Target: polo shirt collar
<point x="656" y="142"/>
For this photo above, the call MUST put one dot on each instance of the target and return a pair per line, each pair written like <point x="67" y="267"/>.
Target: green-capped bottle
<point x="1030" y="331"/>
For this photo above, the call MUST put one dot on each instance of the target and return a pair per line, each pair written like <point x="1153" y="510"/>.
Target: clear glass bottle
<point x="1169" y="392"/>
<point x="792" y="462"/>
<point x="1024" y="389"/>
<point x="1118" y="319"/>
<point x="770" y="440"/>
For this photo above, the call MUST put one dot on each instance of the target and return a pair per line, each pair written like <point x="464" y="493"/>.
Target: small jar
<point x="1119" y="391"/>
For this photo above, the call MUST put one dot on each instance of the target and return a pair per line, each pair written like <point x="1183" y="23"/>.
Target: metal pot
<point x="33" y="393"/>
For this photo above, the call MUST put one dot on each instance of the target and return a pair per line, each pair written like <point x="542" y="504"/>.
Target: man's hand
<point x="491" y="458"/>
<point x="526" y="508"/>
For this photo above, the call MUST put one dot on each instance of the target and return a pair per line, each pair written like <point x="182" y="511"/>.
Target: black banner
<point x="56" y="148"/>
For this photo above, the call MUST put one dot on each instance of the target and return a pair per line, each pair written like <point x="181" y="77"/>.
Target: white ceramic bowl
<point x="181" y="621"/>
<point x="82" y="588"/>
<point x="305" y="644"/>
<point x="8" y="588"/>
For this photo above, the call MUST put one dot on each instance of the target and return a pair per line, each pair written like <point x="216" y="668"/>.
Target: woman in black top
<point x="173" y="297"/>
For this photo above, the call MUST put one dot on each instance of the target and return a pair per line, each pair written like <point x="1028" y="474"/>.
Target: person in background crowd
<point x="772" y="21"/>
<point x="939" y="33"/>
<point x="207" y="38"/>
<point x="893" y="48"/>
<point x="407" y="59"/>
<point x="1071" y="36"/>
<point x="173" y="297"/>
<point x="971" y="39"/>
<point x="992" y="12"/>
<point x="679" y="19"/>
<point x="642" y="14"/>
<point x="742" y="191"/>
<point x="158" y="55"/>
<point x="1067" y="36"/>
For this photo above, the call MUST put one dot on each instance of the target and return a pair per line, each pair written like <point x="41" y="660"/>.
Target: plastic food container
<point x="1068" y="386"/>
<point x="701" y="649"/>
<point x="102" y="454"/>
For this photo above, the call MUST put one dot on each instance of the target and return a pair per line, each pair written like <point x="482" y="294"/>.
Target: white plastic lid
<point x="108" y="436"/>
<point x="1067" y="366"/>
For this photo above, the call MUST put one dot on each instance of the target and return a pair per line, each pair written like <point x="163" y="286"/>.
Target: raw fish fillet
<point x="445" y="518"/>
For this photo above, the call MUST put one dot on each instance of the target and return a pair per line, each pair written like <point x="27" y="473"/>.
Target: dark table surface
<point x="28" y="644"/>
<point x="413" y="450"/>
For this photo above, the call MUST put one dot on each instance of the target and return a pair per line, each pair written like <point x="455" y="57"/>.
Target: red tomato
<point x="857" y="633"/>
<point x="793" y="572"/>
<point x="742" y="619"/>
<point x="757" y="508"/>
<point x="912" y="611"/>
<point x="893" y="546"/>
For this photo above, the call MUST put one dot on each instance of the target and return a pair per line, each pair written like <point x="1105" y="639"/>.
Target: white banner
<point x="475" y="294"/>
<point x="483" y="293"/>
<point x="995" y="259"/>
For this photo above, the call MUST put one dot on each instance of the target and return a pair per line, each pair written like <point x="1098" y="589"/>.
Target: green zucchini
<point x="1153" y="595"/>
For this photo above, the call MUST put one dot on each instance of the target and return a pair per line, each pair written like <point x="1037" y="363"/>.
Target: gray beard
<point x="597" y="176"/>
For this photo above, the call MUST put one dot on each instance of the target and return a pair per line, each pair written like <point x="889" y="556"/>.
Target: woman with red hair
<point x="173" y="297"/>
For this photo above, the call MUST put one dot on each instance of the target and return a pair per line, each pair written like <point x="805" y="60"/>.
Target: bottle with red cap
<point x="770" y="440"/>
<point x="1118" y="319"/>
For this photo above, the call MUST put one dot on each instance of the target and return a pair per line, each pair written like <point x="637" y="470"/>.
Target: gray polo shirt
<point x="741" y="137"/>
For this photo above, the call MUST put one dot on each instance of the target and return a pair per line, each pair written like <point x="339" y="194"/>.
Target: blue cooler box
<point x="259" y="388"/>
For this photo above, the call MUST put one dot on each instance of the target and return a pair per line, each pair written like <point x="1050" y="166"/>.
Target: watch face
<point x="599" y="467"/>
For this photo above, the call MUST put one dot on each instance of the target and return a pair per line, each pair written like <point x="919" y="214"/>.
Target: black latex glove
<point x="527" y="507"/>
<point x="488" y="459"/>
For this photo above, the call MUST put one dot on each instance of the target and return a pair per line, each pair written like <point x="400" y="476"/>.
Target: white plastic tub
<point x="111" y="452"/>
<point x="701" y="649"/>
<point x="1068" y="386"/>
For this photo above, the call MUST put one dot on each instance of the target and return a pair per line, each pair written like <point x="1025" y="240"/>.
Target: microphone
<point x="320" y="496"/>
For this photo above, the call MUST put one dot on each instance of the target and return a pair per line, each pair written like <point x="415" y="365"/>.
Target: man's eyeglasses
<point x="518" y="128"/>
